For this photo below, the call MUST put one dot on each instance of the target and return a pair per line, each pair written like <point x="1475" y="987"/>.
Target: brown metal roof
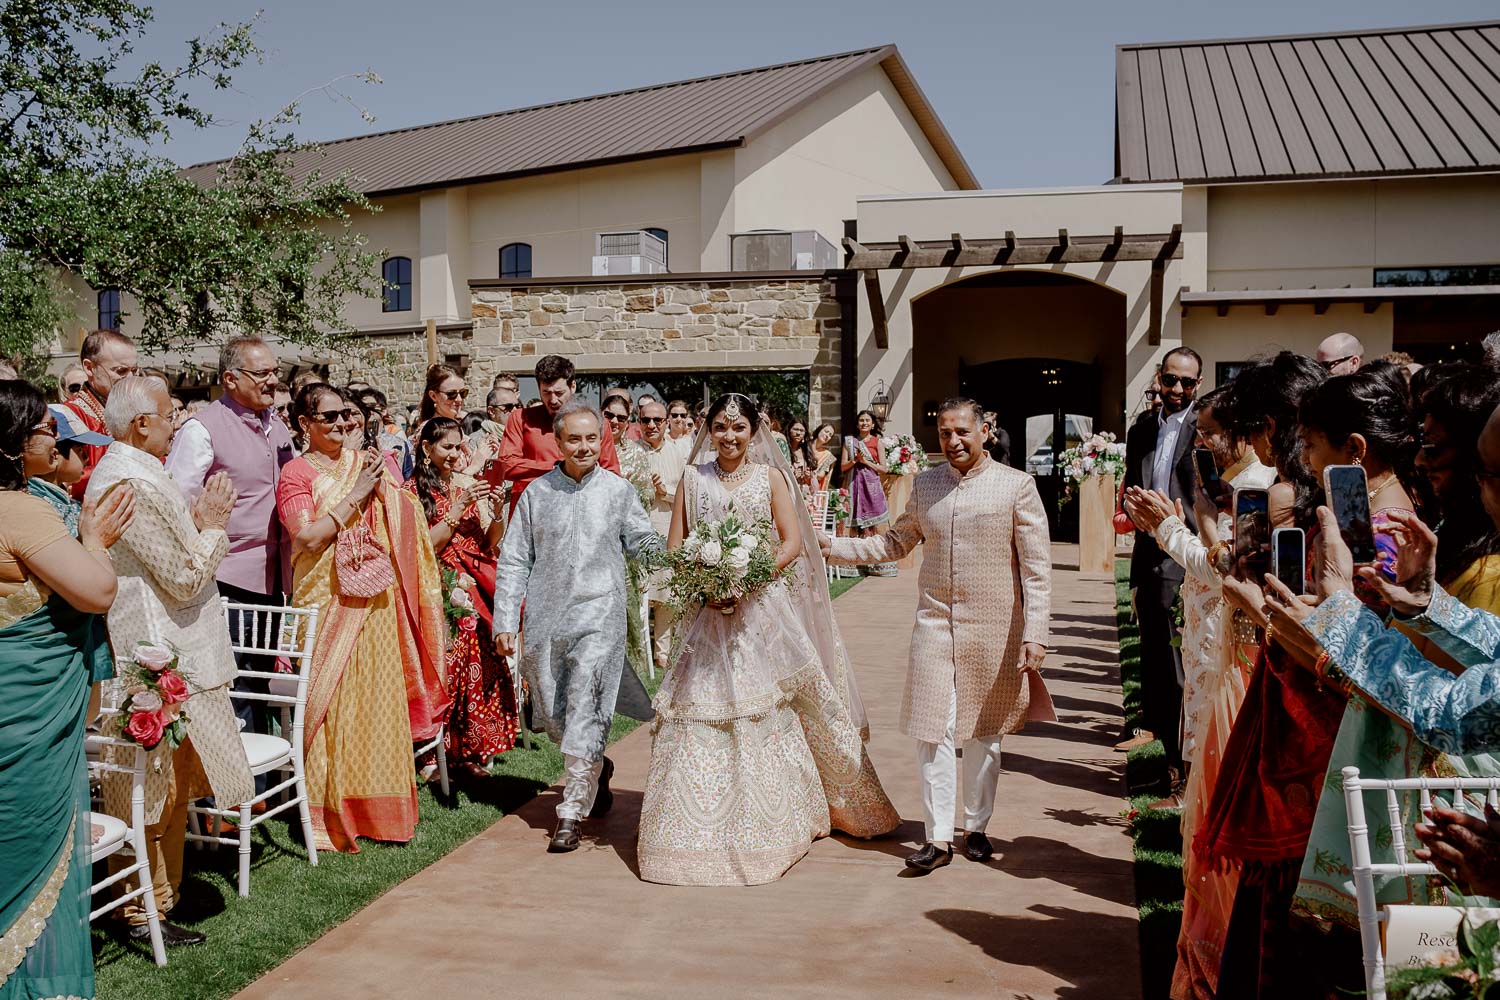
<point x="713" y="112"/>
<point x="1361" y="103"/>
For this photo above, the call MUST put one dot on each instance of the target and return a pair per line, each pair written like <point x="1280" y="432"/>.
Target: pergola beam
<point x="1064" y="248"/>
<point x="876" y="300"/>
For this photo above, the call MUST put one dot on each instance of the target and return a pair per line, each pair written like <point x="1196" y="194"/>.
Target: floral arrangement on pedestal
<point x="155" y="692"/>
<point x="1100" y="455"/>
<point x="723" y="561"/>
<point x="903" y="455"/>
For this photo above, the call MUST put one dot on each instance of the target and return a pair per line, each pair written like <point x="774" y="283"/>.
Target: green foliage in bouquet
<point x="727" y="560"/>
<point x="457" y="604"/>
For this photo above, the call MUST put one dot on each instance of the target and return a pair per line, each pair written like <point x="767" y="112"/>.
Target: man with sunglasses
<point x="240" y="436"/>
<point x="498" y="406"/>
<point x="1341" y="354"/>
<point x="1159" y="456"/>
<point x="107" y="357"/>
<point x="529" y="450"/>
<point x="71" y="384"/>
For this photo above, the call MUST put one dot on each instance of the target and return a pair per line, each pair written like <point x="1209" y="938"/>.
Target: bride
<point x="757" y="745"/>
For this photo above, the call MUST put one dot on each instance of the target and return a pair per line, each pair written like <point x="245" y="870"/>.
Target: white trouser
<point x="581" y="784"/>
<point x="940" y="782"/>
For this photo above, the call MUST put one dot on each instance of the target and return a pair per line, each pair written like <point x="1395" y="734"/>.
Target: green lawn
<point x="292" y="904"/>
<point x="1157" y="836"/>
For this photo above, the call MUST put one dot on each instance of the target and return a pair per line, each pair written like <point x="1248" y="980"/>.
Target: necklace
<point x="1374" y="491"/>
<point x="319" y="462"/>
<point x="732" y="477"/>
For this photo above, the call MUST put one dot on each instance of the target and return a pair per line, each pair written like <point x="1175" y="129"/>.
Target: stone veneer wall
<point x="654" y="324"/>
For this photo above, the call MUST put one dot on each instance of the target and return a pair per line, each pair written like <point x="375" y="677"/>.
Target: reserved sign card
<point x="1426" y="935"/>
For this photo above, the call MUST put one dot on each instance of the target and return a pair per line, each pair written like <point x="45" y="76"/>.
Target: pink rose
<point x="145" y="728"/>
<point x="154" y="657"/>
<point x="468" y="623"/>
<point x="145" y="701"/>
<point x="174" y="689"/>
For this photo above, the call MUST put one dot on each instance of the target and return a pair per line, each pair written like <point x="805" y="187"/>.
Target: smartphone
<point x="1208" y="476"/>
<point x="1348" y="497"/>
<point x="1289" y="558"/>
<point x="1252" y="532"/>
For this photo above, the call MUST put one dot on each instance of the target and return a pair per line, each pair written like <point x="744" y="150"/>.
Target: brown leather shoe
<point x="1138" y="738"/>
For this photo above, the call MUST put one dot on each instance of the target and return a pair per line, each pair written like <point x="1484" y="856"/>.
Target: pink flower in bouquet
<point x="145" y="700"/>
<point x="145" y="728"/>
<point x="468" y="624"/>
<point x="154" y="657"/>
<point x="174" y="689"/>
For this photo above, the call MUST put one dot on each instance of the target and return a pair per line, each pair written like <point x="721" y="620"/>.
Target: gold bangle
<point x="96" y="548"/>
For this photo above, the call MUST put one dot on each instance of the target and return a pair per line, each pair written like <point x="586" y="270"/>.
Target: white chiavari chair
<point x="106" y="755"/>
<point x="1365" y="871"/>
<point x="273" y="632"/>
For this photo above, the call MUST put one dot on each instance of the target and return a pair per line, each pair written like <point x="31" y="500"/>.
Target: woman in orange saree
<point x="377" y="682"/>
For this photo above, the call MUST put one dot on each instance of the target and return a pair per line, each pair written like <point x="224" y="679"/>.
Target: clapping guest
<point x="824" y="458"/>
<point x="362" y="555"/>
<point x="680" y="427"/>
<point x="53" y="461"/>
<point x="863" y="465"/>
<point x="52" y="590"/>
<point x="465" y="529"/>
<point x="166" y="561"/>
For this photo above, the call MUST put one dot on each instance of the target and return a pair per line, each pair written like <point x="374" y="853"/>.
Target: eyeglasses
<point x="1172" y="381"/>
<point x="73" y="388"/>
<point x="453" y="394"/>
<point x="620" y="418"/>
<point x="1331" y="365"/>
<point x="333" y="416"/>
<point x="653" y="420"/>
<point x="121" y="371"/>
<point x="268" y="374"/>
<point x="506" y="407"/>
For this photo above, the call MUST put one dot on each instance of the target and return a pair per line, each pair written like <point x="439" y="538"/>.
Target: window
<point x="396" y="273"/>
<point x="109" y="309"/>
<point x="660" y="234"/>
<point x="515" y="260"/>
<point x="1409" y="277"/>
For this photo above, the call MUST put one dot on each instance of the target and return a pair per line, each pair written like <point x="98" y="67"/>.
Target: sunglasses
<point x="1172" y="381"/>
<point x="653" y="420"/>
<point x="73" y="387"/>
<point x="679" y="415"/>
<point x="506" y="407"/>
<point x="49" y="428"/>
<point x="453" y="394"/>
<point x="1329" y="366"/>
<point x="616" y="417"/>
<point x="334" y="416"/>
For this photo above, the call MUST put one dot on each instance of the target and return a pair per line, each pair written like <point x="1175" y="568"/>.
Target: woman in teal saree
<point x="52" y="648"/>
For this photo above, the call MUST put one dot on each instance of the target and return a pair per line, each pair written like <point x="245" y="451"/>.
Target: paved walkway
<point x="1052" y="915"/>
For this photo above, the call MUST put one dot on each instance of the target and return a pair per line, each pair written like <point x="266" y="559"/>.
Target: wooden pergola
<point x="957" y="251"/>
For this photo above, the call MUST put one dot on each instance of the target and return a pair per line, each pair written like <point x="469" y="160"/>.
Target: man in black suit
<point x="1159" y="455"/>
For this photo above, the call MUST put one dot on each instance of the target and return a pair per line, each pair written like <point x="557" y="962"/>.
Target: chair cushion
<point x="115" y="832"/>
<point x="263" y="750"/>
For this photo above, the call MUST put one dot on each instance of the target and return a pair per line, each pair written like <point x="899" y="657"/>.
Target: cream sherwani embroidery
<point x="985" y="588"/>
<point x="166" y="570"/>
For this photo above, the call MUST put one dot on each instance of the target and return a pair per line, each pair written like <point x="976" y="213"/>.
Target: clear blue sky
<point x="1027" y="89"/>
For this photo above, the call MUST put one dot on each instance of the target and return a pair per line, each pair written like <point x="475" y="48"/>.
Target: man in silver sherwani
<point x="981" y="627"/>
<point x="564" y="559"/>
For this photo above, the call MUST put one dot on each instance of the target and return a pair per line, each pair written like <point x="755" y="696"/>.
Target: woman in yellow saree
<point x="362" y="556"/>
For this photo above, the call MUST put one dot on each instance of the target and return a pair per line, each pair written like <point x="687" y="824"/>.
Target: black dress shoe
<point x="565" y="838"/>
<point x="978" y="847"/>
<point x="604" y="799"/>
<point x="171" y="935"/>
<point x="929" y="857"/>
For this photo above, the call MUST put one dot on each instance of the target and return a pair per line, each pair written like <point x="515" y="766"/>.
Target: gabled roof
<point x="1351" y="104"/>
<point x="712" y="112"/>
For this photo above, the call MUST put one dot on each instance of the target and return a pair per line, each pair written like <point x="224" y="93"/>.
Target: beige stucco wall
<point x="1247" y="332"/>
<point x="394" y="231"/>
<point x="988" y="214"/>
<point x="808" y="171"/>
<point x="1330" y="234"/>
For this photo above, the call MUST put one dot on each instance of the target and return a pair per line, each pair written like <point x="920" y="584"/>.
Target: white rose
<point x="145" y="701"/>
<point x="711" y="553"/>
<point x="692" y="544"/>
<point x="154" y="656"/>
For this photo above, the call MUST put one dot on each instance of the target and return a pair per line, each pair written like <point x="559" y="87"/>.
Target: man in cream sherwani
<point x="166" y="561"/>
<point x="981" y="628"/>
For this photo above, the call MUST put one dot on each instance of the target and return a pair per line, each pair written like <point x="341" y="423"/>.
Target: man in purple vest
<point x="241" y="435"/>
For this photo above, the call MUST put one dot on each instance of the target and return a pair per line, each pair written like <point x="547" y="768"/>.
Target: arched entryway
<point x="1029" y="345"/>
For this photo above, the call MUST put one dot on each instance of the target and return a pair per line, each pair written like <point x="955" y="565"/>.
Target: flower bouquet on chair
<point x="155" y="692"/>
<point x="720" y="564"/>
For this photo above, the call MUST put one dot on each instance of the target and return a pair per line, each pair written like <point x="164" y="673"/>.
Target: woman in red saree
<point x="377" y="683"/>
<point x="465" y="529"/>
